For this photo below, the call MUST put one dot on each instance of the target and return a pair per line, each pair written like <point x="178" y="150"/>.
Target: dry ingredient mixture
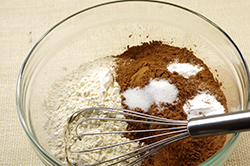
<point x="153" y="78"/>
<point x="199" y="94"/>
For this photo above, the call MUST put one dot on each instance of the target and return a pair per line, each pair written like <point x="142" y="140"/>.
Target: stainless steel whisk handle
<point x="219" y="124"/>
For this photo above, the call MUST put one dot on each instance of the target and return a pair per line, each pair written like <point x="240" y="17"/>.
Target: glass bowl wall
<point x="107" y="29"/>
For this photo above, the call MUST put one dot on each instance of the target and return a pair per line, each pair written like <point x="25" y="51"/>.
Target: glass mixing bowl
<point x="107" y="29"/>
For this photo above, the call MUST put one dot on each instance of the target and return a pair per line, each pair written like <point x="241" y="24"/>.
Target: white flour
<point x="93" y="84"/>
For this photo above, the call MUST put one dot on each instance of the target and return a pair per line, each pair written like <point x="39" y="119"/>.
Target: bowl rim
<point x="18" y="86"/>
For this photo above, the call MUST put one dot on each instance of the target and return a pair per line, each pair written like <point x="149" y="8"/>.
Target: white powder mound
<point x="184" y="69"/>
<point x="137" y="98"/>
<point x="203" y="105"/>
<point x="93" y="84"/>
<point x="157" y="91"/>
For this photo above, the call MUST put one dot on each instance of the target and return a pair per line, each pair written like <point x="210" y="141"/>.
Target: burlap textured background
<point x="23" y="22"/>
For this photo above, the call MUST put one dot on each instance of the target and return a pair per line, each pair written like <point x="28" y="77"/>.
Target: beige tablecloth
<point x="22" y="22"/>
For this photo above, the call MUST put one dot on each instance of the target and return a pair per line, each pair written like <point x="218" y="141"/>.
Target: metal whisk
<point x="174" y="129"/>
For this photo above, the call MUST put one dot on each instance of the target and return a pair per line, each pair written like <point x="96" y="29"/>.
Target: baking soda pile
<point x="94" y="84"/>
<point x="184" y="69"/>
<point x="203" y="105"/>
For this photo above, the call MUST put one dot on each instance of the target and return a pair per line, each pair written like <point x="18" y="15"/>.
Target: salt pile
<point x="157" y="91"/>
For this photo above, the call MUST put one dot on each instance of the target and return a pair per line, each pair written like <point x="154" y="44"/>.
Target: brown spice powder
<point x="137" y="66"/>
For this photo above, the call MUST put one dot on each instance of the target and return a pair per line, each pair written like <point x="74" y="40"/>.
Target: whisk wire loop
<point x="119" y="144"/>
<point x="177" y="128"/>
<point x="126" y="112"/>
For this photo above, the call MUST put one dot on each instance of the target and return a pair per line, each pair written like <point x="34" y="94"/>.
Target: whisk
<point x="174" y="129"/>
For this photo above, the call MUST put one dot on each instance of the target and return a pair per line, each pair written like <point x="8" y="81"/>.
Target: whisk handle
<point x="219" y="124"/>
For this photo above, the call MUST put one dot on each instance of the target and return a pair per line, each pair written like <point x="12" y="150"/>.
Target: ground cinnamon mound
<point x="140" y="64"/>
